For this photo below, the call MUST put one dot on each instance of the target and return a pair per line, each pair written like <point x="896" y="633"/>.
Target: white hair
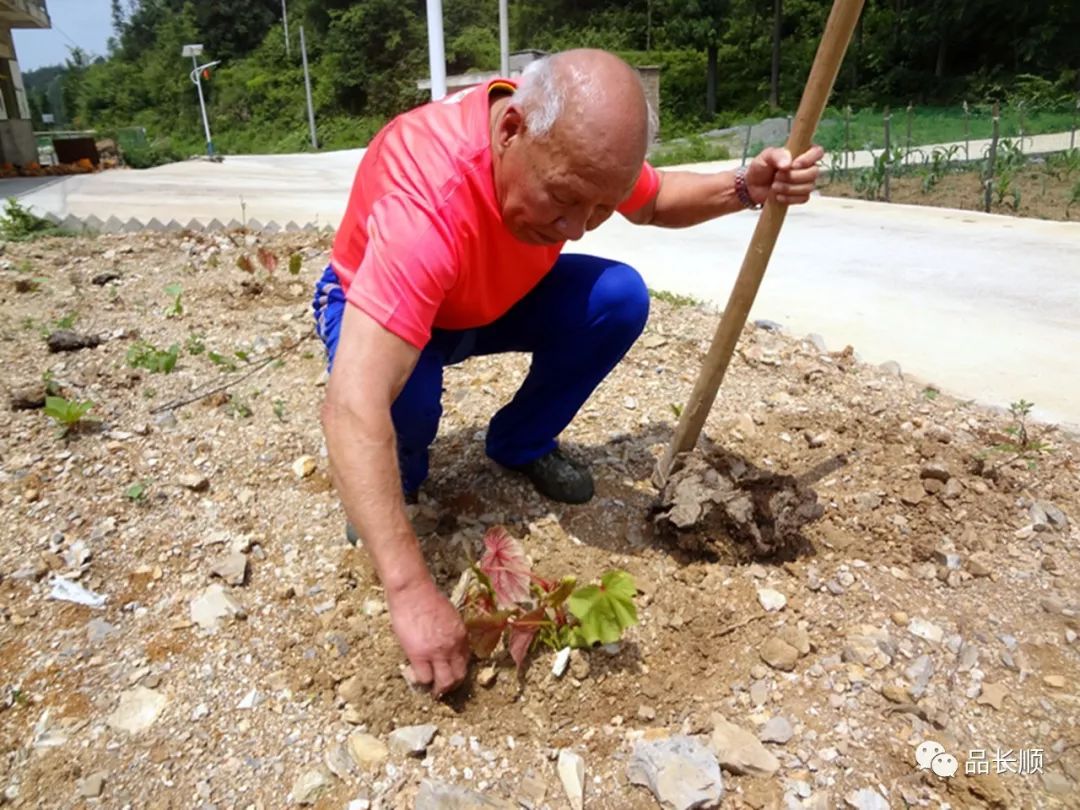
<point x="542" y="96"/>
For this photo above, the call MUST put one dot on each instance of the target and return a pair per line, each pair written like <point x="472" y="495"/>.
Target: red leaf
<point x="484" y="631"/>
<point x="505" y="565"/>
<point x="522" y="632"/>
<point x="267" y="259"/>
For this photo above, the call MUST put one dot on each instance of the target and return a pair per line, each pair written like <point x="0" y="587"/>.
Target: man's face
<point x="549" y="190"/>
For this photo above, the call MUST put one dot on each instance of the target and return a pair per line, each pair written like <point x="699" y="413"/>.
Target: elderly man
<point x="451" y="247"/>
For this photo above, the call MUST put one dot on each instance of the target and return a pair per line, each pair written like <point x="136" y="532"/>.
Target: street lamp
<point x="196" y="69"/>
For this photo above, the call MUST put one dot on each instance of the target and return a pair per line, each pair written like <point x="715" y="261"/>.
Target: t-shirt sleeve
<point x="409" y="265"/>
<point x="648" y="183"/>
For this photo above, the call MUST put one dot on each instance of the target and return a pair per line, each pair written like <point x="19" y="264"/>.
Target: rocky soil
<point x="227" y="648"/>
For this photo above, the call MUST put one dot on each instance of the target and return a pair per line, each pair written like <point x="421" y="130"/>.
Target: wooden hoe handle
<point x="834" y="42"/>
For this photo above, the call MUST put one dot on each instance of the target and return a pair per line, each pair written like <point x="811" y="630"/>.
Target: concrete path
<point x="987" y="307"/>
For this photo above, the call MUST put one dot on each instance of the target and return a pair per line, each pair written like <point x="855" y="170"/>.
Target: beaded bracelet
<point x="742" y="192"/>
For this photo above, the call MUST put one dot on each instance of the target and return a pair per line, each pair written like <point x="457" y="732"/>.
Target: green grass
<point x="931" y="125"/>
<point x="694" y="149"/>
<point x="675" y="299"/>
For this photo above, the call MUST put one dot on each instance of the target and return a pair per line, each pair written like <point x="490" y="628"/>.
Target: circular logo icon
<point x="925" y="753"/>
<point x="944" y="765"/>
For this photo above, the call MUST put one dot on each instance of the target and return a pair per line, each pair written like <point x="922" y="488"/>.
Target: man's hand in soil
<point x="432" y="635"/>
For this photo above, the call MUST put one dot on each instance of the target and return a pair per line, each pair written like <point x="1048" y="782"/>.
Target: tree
<point x="700" y="24"/>
<point x="774" y="85"/>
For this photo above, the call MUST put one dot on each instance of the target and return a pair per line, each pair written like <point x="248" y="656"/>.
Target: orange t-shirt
<point x="422" y="243"/>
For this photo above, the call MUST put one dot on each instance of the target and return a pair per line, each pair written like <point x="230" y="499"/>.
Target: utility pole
<point x="285" y="20"/>
<point x="504" y="40"/>
<point x="436" y="52"/>
<point x="307" y="88"/>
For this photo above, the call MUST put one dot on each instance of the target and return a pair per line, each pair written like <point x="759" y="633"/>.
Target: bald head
<point x="568" y="146"/>
<point x="589" y="98"/>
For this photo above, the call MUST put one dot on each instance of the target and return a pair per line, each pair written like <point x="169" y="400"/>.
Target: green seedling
<point x="66" y="413"/>
<point x="220" y="360"/>
<point x="136" y="492"/>
<point x="507" y="601"/>
<point x="930" y="393"/>
<point x="154" y="360"/>
<point x="238" y="409"/>
<point x="174" y="291"/>
<point x="295" y="263"/>
<point x="279" y="409"/>
<point x="195" y="345"/>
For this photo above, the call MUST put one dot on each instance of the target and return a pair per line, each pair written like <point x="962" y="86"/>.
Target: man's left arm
<point x="689" y="198"/>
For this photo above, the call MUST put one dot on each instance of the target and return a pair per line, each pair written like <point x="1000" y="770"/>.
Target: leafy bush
<point x="693" y="150"/>
<point x="17" y="224"/>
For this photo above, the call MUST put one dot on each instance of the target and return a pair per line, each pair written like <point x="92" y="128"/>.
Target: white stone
<point x="771" y="599"/>
<point x="562" y="660"/>
<point x="680" y="771"/>
<point x="571" y="769"/>
<point x="214" y="605"/>
<point x="926" y="630"/>
<point x="777" y="730"/>
<point x="304" y="466"/>
<point x="411" y="740"/>
<point x="138" y="709"/>
<point x="309" y="786"/>
<point x="866" y="799"/>
<point x="739" y="751"/>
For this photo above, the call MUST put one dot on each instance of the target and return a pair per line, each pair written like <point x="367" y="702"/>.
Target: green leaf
<point x="136" y="491"/>
<point x="605" y="610"/>
<point x="295" y="264"/>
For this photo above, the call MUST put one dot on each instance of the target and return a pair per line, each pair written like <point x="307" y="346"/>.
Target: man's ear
<point x="509" y="127"/>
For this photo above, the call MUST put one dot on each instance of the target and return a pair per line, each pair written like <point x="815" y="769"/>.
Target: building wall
<point x="17" y="143"/>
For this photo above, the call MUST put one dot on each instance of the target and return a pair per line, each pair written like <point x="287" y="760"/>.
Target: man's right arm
<point x="371" y="367"/>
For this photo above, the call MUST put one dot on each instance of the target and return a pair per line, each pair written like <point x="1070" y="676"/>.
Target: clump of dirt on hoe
<point x="721" y="506"/>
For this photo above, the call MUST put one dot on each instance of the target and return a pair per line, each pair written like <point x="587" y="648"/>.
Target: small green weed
<point x="174" y="291"/>
<point x="195" y="345"/>
<point x="295" y="264"/>
<point x="136" y="492"/>
<point x="675" y="299"/>
<point x="279" y="409"/>
<point x="220" y="360"/>
<point x="930" y="393"/>
<point x="66" y="413"/>
<point x="154" y="360"/>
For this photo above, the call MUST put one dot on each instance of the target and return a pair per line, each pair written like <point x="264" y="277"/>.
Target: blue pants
<point x="577" y="323"/>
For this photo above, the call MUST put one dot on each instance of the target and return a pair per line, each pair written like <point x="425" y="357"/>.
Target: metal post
<point x="1072" y="134"/>
<point x="990" y="160"/>
<point x="504" y="40"/>
<point x="885" y="155"/>
<point x="436" y="51"/>
<point x="907" y="146"/>
<point x="307" y="89"/>
<point x="967" y="132"/>
<point x="847" y="134"/>
<point x="202" y="105"/>
<point x="285" y="20"/>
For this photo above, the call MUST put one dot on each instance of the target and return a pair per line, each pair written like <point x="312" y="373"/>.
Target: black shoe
<point x="560" y="478"/>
